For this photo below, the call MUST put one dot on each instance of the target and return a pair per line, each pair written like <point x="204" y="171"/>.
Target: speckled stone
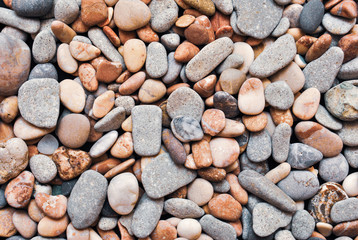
<point x="10" y="18"/>
<point x="107" y="223"/>
<point x="39" y="102"/>
<point x="349" y="133"/>
<point x="349" y="70"/>
<point x="156" y="64"/>
<point x="326" y="119"/>
<point x="66" y="10"/>
<point x="302" y="225"/>
<point x="67" y="186"/>
<point x="300" y="185"/>
<point x="351" y="154"/>
<point x="345" y="210"/>
<point x="293" y="12"/>
<point x="45" y="70"/>
<point x="281" y="142"/>
<point x="279" y="95"/>
<point x="224" y="6"/>
<point x="259" y="146"/>
<point x="43" y="168"/>
<point x="170" y="41"/>
<point x="183" y="208"/>
<point x="44" y="47"/>
<point x="32" y="8"/>
<point x="334" y="169"/>
<point x="112" y="121"/>
<point x="284" y="235"/>
<point x="217" y="229"/>
<point x="302" y="156"/>
<point x="311" y="16"/>
<point x="281" y="28"/>
<point x="174" y="69"/>
<point x="247" y="164"/>
<point x="103" y="144"/>
<point x="232" y="61"/>
<point x="164" y="14"/>
<point x="186" y="129"/>
<point x="337" y="25"/>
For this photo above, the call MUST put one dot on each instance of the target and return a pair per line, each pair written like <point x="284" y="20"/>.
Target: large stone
<point x="130" y="15"/>
<point x="345" y="210"/>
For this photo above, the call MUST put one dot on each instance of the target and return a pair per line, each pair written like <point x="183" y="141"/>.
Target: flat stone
<point x="208" y="59"/>
<point x="44" y="47"/>
<point x="170" y="41"/>
<point x="174" y="69"/>
<point x="146" y="216"/>
<point x="225" y="6"/>
<point x="156" y="64"/>
<point x="302" y="225"/>
<point x="281" y="28"/>
<point x="267" y="219"/>
<point x="262" y="187"/>
<point x="72" y="95"/>
<point x="300" y="185"/>
<point x="43" y="168"/>
<point x="127" y="102"/>
<point x="232" y="61"/>
<point x="183" y="208"/>
<point x="103" y="144"/>
<point x="345" y="210"/>
<point x="279" y="55"/>
<point x="279" y="95"/>
<point x="348" y="133"/>
<point x="326" y="119"/>
<point x="281" y="142"/>
<point x="251" y="99"/>
<point x="349" y="70"/>
<point x="112" y="121"/>
<point x="259" y="146"/>
<point x="216" y="228"/>
<point x="10" y="18"/>
<point x="186" y="129"/>
<point x="130" y="15"/>
<point x="311" y="16"/>
<point x="247" y="164"/>
<point x="302" y="156"/>
<point x="292" y="75"/>
<point x="334" y="169"/>
<point x="162" y="176"/>
<point x="27" y="131"/>
<point x="88" y="193"/>
<point x="351" y="154"/>
<point x="93" y="12"/>
<point x="39" y="102"/>
<point x="147" y="128"/>
<point x="261" y="22"/>
<point x="321" y="72"/>
<point x="164" y="14"/>
<point x="66" y="11"/>
<point x="337" y="25"/>
<point x="45" y="70"/>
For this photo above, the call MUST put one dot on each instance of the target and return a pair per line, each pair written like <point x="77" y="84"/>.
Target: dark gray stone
<point x="112" y="121"/>
<point x="107" y="210"/>
<point x="302" y="225"/>
<point x="221" y="187"/>
<point x="3" y="201"/>
<point x="31" y="8"/>
<point x="334" y="169"/>
<point x="183" y="208"/>
<point x="66" y="187"/>
<point x="302" y="156"/>
<point x="226" y="103"/>
<point x="311" y="16"/>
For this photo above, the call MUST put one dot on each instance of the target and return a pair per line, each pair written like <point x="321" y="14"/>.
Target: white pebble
<point x="350" y="184"/>
<point x="189" y="228"/>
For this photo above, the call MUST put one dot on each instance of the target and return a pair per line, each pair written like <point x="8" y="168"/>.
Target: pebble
<point x="66" y="11"/>
<point x="93" y="12"/>
<point x="151" y="91"/>
<point x="337" y="25"/>
<point x="247" y="164"/>
<point x="279" y="95"/>
<point x="266" y="219"/>
<point x="319" y="137"/>
<point x="306" y="105"/>
<point x="339" y="102"/>
<point x="65" y="33"/>
<point x="302" y="225"/>
<point x="73" y="130"/>
<point x="53" y="206"/>
<point x="226" y="103"/>
<point x="231" y="80"/>
<point x="311" y="16"/>
<point x="103" y="144"/>
<point x="164" y="14"/>
<point x="174" y="147"/>
<point x="279" y="172"/>
<point x="131" y="15"/>
<point x="300" y="185"/>
<point x="326" y="119"/>
<point x="3" y="202"/>
<point x="36" y="106"/>
<point x="103" y="104"/>
<point x="134" y="54"/>
<point x="7" y="226"/>
<point x="18" y="191"/>
<point x="83" y="51"/>
<point x="225" y="207"/>
<point x="259" y="147"/>
<point x="213" y="121"/>
<point x="347" y="9"/>
<point x="344" y="210"/>
<point x="189" y="229"/>
<point x="156" y="64"/>
<point x="221" y="187"/>
<point x="164" y="230"/>
<point x="112" y="121"/>
<point x="279" y="54"/>
<point x="292" y="75"/>
<point x="346" y="229"/>
<point x="225" y="151"/>
<point x="174" y="69"/>
<point x="49" y="227"/>
<point x="186" y="129"/>
<point x="255" y="123"/>
<point x="265" y="189"/>
<point x="10" y="18"/>
<point x="67" y="186"/>
<point x="168" y="176"/>
<point x="45" y="70"/>
<point x="48" y="144"/>
<point x="72" y="95"/>
<point x="123" y="193"/>
<point x="325" y="67"/>
<point x="281" y="28"/>
<point x="88" y="193"/>
<point x="216" y="228"/>
<point x="24" y="224"/>
<point x="233" y="61"/>
<point x="73" y="233"/>
<point x="260" y="23"/>
<point x="170" y="40"/>
<point x="132" y="84"/>
<point x="200" y="191"/>
<point x="334" y="169"/>
<point x="183" y="208"/>
<point x="251" y="97"/>
<point x="348" y="133"/>
<point x="245" y="50"/>
<point x="302" y="156"/>
<point x="281" y="142"/>
<point x="65" y="60"/>
<point x="126" y="102"/>
<point x="208" y="58"/>
<point x="284" y="235"/>
<point x="147" y="121"/>
<point x="43" y="168"/>
<point x="31" y="8"/>
<point x="44" y="47"/>
<point x="146" y="216"/>
<point x="205" y="7"/>
<point x="123" y="148"/>
<point x="349" y="70"/>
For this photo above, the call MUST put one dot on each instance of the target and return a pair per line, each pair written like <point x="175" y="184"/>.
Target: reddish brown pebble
<point x="87" y="75"/>
<point x="123" y="148"/>
<point x="212" y="174"/>
<point x="93" y="12"/>
<point x="108" y="72"/>
<point x="319" y="47"/>
<point x="19" y="190"/>
<point x="225" y="207"/>
<point x="255" y="123"/>
<point x="147" y="35"/>
<point x="202" y="154"/>
<point x="119" y="168"/>
<point x="349" y="229"/>
<point x="205" y="87"/>
<point x="185" y="52"/>
<point x="238" y="192"/>
<point x="62" y="31"/>
<point x="346" y="9"/>
<point x="281" y="116"/>
<point x="132" y="84"/>
<point x="106" y="165"/>
<point x="49" y="227"/>
<point x="7" y="228"/>
<point x="213" y="121"/>
<point x="164" y="230"/>
<point x="53" y="206"/>
<point x="103" y="104"/>
<point x="349" y="45"/>
<point x="112" y="36"/>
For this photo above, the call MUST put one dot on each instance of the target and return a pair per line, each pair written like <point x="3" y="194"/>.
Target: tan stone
<point x="87" y="75"/>
<point x="164" y="230"/>
<point x="123" y="147"/>
<point x="134" y="54"/>
<point x="224" y="151"/>
<point x="255" y="123"/>
<point x="6" y="132"/>
<point x="73" y="130"/>
<point x="35" y="212"/>
<point x="251" y="97"/>
<point x="65" y="60"/>
<point x="108" y="72"/>
<point x="281" y="116"/>
<point x="238" y="192"/>
<point x="103" y="104"/>
<point x="292" y="75"/>
<point x="76" y="234"/>
<point x="120" y="168"/>
<point x="213" y="121"/>
<point x="205" y="87"/>
<point x="106" y="165"/>
<point x="24" y="224"/>
<point x="151" y="91"/>
<point x="72" y="95"/>
<point x="232" y="128"/>
<point x="130" y="15"/>
<point x="185" y="52"/>
<point x="225" y="207"/>
<point x="279" y="172"/>
<point x="231" y="80"/>
<point x="147" y="34"/>
<point x="83" y="51"/>
<point x="306" y="105"/>
<point x="319" y="47"/>
<point x="7" y="227"/>
<point x="53" y="206"/>
<point x="49" y="227"/>
<point x="9" y="109"/>
<point x="62" y="31"/>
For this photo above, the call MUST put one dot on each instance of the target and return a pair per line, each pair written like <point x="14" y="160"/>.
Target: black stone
<point x="311" y="16"/>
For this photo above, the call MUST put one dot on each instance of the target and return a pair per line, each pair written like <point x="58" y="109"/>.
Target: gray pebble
<point x="183" y="208"/>
<point x="300" y="185"/>
<point x="112" y="121"/>
<point x="174" y="69"/>
<point x="302" y="156"/>
<point x="321" y="72"/>
<point x="164" y="14"/>
<point x="217" y="229"/>
<point x="279" y="95"/>
<point x="146" y="216"/>
<point x="311" y="16"/>
<point x="284" y="235"/>
<point x="208" y="58"/>
<point x="66" y="11"/>
<point x="293" y="12"/>
<point x="266" y="219"/>
<point x="247" y="164"/>
<point x="186" y="129"/>
<point x="338" y="238"/>
<point x="281" y="28"/>
<point x="89" y="103"/>
<point x="345" y="210"/>
<point x="39" y="102"/>
<point x="3" y="201"/>
<point x="258" y="18"/>
<point x="107" y="223"/>
<point x="10" y="18"/>
<point x="246" y="220"/>
<point x="127" y="102"/>
<point x="44" y="47"/>
<point x="83" y="39"/>
<point x="302" y="225"/>
<point x="15" y="32"/>
<point x="86" y="200"/>
<point x="233" y="21"/>
<point x="16" y="238"/>
<point x="31" y="8"/>
<point x="126" y="221"/>
<point x="147" y="129"/>
<point x="349" y="70"/>
<point x="349" y="133"/>
<point x="170" y="41"/>
<point x="103" y="144"/>
<point x="252" y="201"/>
<point x="156" y="64"/>
<point x="46" y="70"/>
<point x="224" y="6"/>
<point x="334" y="169"/>
<point x="281" y="142"/>
<point x="263" y="188"/>
<point x="66" y="187"/>
<point x="283" y="2"/>
<point x="351" y="154"/>
<point x="337" y="25"/>
<point x="221" y="187"/>
<point x="47" y="145"/>
<point x="326" y="119"/>
<point x="259" y="146"/>
<point x="270" y="127"/>
<point x="232" y="61"/>
<point x="100" y="40"/>
<point x="102" y="88"/>
<point x="226" y="103"/>
<point x="185" y="102"/>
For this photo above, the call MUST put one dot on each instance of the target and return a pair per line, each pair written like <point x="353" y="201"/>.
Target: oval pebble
<point x="279" y="95"/>
<point x="156" y="63"/>
<point x="334" y="169"/>
<point x="43" y="168"/>
<point x="259" y="147"/>
<point x="44" y="47"/>
<point x="251" y="97"/>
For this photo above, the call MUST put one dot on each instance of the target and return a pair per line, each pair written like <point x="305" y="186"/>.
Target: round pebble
<point x="200" y="191"/>
<point x="73" y="130"/>
<point x="189" y="228"/>
<point x="334" y="169"/>
<point x="279" y="95"/>
<point x="43" y="168"/>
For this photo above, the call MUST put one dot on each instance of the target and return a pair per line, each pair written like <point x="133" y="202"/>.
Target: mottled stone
<point x="259" y="146"/>
<point x="334" y="169"/>
<point x="43" y="168"/>
<point x="226" y="103"/>
<point x="302" y="225"/>
<point x="302" y="156"/>
<point x="349" y="133"/>
<point x="183" y="208"/>
<point x="186" y="129"/>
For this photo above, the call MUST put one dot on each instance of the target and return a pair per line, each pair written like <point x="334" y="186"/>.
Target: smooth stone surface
<point x="334" y="169"/>
<point x="130" y="15"/>
<point x="224" y="151"/>
<point x="10" y="18"/>
<point x="171" y="41"/>
<point x="281" y="142"/>
<point x="174" y="69"/>
<point x="208" y="58"/>
<point x="279" y="95"/>
<point x="226" y="103"/>
<point x="186" y="129"/>
<point x="45" y="70"/>
<point x="147" y="127"/>
<point x="260" y="23"/>
<point x="311" y="16"/>
<point x="300" y="185"/>
<point x="32" y="8"/>
<point x="217" y="229"/>
<point x="88" y="193"/>
<point x="351" y="154"/>
<point x="337" y="25"/>
<point x="251" y="98"/>
<point x="164" y="14"/>
<point x="349" y="133"/>
<point x="200" y="191"/>
<point x="43" y="168"/>
<point x="281" y="28"/>
<point x="259" y="147"/>
<point x="265" y="189"/>
<point x="221" y="187"/>
<point x="146" y="216"/>
<point x="112" y="121"/>
<point x="292" y="75"/>
<point x="73" y="130"/>
<point x="279" y="55"/>
<point x="156" y="64"/>
<point x="44" y="47"/>
<point x="302" y="225"/>
<point x="162" y="176"/>
<point x="232" y="61"/>
<point x="349" y="70"/>
<point x="72" y="95"/>
<point x="302" y="156"/>
<point x="345" y="210"/>
<point x="321" y="72"/>
<point x="103" y="144"/>
<point x="326" y="119"/>
<point x="247" y="164"/>
<point x="66" y="11"/>
<point x="183" y="208"/>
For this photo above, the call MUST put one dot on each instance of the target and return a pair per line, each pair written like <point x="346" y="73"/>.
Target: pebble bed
<point x="178" y="119"/>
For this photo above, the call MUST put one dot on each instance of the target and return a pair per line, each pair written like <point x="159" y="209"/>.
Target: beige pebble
<point x="189" y="228"/>
<point x="232" y="128"/>
<point x="246" y="51"/>
<point x="83" y="51"/>
<point x="279" y="172"/>
<point x="7" y="228"/>
<point x="213" y="121"/>
<point x="174" y="221"/>
<point x="130" y="15"/>
<point x="251" y="97"/>
<point x="281" y="116"/>
<point x="200" y="191"/>
<point x="134" y="54"/>
<point x="65" y="60"/>
<point x="9" y="109"/>
<point x="72" y="95"/>
<point x="224" y="151"/>
<point x="73" y="130"/>
<point x="306" y="105"/>
<point x="231" y="80"/>
<point x="76" y="234"/>
<point x="49" y="227"/>
<point x="350" y="184"/>
<point x="127" y="124"/>
<point x="103" y="104"/>
<point x="324" y="228"/>
<point x="35" y="212"/>
<point x="255" y="123"/>
<point x="27" y="131"/>
<point x="24" y="224"/>
<point x="190" y="163"/>
<point x="151" y="91"/>
<point x="292" y="75"/>
<point x="62" y="31"/>
<point x="123" y="147"/>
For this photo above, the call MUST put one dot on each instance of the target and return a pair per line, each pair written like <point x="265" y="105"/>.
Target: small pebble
<point x="302" y="225"/>
<point x="43" y="168"/>
<point x="334" y="169"/>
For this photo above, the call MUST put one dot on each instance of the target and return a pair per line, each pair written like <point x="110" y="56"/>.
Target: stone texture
<point x="19" y="190"/>
<point x="337" y="25"/>
<point x="345" y="210"/>
<point x="326" y="119"/>
<point x="334" y="169"/>
<point x="43" y="168"/>
<point x="216" y="228"/>
<point x="281" y="142"/>
<point x="183" y="208"/>
<point x="131" y="15"/>
<point x="186" y="129"/>
<point x="10" y="18"/>
<point x="302" y="156"/>
<point x="302" y="225"/>
<point x="279" y="95"/>
<point x="311" y="16"/>
<point x="259" y="147"/>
